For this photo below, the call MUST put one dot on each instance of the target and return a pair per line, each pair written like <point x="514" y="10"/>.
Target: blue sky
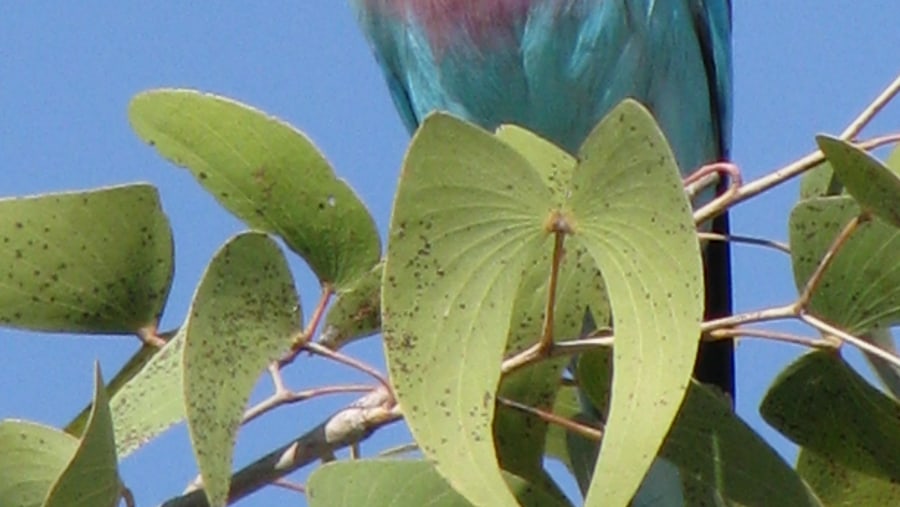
<point x="68" y="70"/>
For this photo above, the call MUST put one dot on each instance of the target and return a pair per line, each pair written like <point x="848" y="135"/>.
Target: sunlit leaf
<point x="91" y="478"/>
<point x="397" y="483"/>
<point x="819" y="182"/>
<point x="151" y="401"/>
<point x="629" y="210"/>
<point x="356" y="312"/>
<point x="874" y="186"/>
<point x="244" y="315"/>
<point x="468" y="213"/>
<point x="33" y="457"/>
<point x="126" y="373"/>
<point x="265" y="172"/>
<point x="861" y="288"/>
<point x="98" y="261"/>
<point x="520" y="437"/>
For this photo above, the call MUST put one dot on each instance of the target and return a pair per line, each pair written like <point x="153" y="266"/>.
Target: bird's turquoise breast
<point x="553" y="66"/>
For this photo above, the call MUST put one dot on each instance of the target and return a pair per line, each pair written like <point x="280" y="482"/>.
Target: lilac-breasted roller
<point x="557" y="67"/>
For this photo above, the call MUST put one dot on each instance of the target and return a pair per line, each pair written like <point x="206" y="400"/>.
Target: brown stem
<point x="546" y="343"/>
<point x="780" y="176"/>
<point x="324" y="351"/>
<point x="306" y="335"/>
<point x="813" y="283"/>
<point x="533" y="354"/>
<point x="582" y="429"/>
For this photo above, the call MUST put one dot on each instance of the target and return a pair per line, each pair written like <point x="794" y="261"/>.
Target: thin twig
<point x="534" y="353"/>
<point x="839" y="241"/>
<point x="748" y="240"/>
<point x="546" y="343"/>
<point x="775" y="313"/>
<point x="746" y="332"/>
<point x="711" y="174"/>
<point x="128" y="497"/>
<point x="285" y="396"/>
<point x="308" y="332"/>
<point x="290" y="486"/>
<point x="871" y="110"/>
<point x="849" y="338"/>
<point x="576" y="427"/>
<point x="780" y="176"/>
<point x="324" y="351"/>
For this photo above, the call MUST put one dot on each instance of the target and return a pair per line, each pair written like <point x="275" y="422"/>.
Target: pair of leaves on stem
<point x="844" y="426"/>
<point x="471" y="222"/>
<point x="860" y="291"/>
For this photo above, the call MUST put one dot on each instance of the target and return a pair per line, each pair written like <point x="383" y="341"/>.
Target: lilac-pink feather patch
<point x="486" y="23"/>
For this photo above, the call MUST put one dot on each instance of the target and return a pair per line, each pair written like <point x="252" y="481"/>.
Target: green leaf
<point x="874" y="186"/>
<point x="819" y="182"/>
<point x="265" y="172"/>
<point x="712" y="446"/>
<point x="823" y="405"/>
<point x="91" y="478"/>
<point x="400" y="483"/>
<point x="839" y="485"/>
<point x="861" y="289"/>
<point x="151" y="401"/>
<point x="129" y="370"/>
<point x="630" y="212"/>
<point x="715" y="452"/>
<point x="520" y="437"/>
<point x="893" y="161"/>
<point x="468" y="218"/>
<point x="33" y="457"/>
<point x="98" y="261"/>
<point x="244" y="315"/>
<point x="356" y="312"/>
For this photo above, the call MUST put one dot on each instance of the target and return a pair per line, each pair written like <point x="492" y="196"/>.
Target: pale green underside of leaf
<point x="520" y="437"/>
<point x="402" y="483"/>
<point x="861" y="288"/>
<point x="244" y="315"/>
<point x="91" y="478"/>
<point x="356" y="312"/>
<point x="465" y="219"/>
<point x="871" y="183"/>
<point x="265" y="172"/>
<point x="469" y="225"/>
<point x="97" y="261"/>
<point x="632" y="215"/>
<point x="33" y="457"/>
<point x="152" y="401"/>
